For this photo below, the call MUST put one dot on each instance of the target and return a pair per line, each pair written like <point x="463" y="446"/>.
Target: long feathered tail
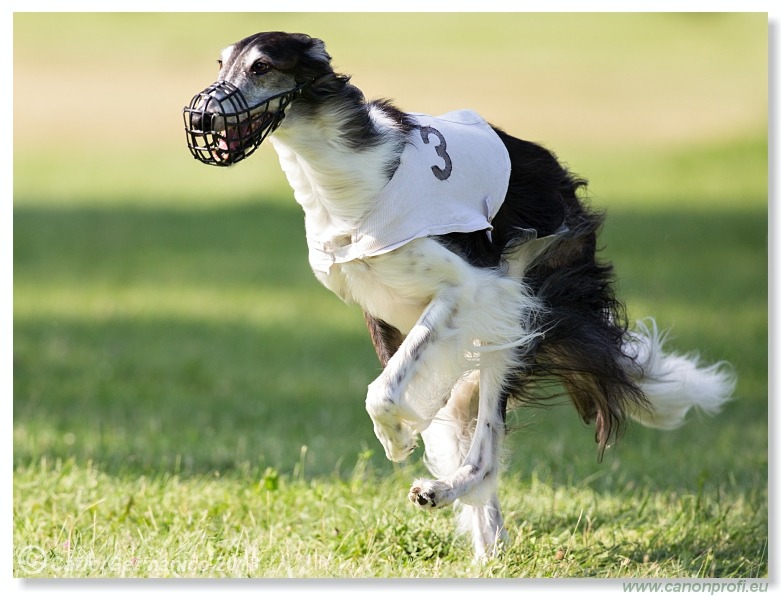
<point x="673" y="383"/>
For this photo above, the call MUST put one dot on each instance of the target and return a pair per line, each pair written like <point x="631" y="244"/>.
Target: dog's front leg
<point x="398" y="416"/>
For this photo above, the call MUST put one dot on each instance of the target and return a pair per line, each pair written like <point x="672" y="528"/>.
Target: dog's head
<point x="259" y="78"/>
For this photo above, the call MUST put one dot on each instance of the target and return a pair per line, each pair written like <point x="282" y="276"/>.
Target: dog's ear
<point x="313" y="60"/>
<point x="315" y="49"/>
<point x="313" y="64"/>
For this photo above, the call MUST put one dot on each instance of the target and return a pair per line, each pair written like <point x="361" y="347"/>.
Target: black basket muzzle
<point x="223" y="129"/>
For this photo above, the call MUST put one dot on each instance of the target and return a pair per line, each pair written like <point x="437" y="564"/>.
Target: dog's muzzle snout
<point x="202" y="121"/>
<point x="222" y="128"/>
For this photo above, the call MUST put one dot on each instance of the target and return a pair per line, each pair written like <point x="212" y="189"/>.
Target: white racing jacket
<point x="453" y="177"/>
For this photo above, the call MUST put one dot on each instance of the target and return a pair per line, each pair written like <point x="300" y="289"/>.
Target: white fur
<point x="332" y="183"/>
<point x="674" y="383"/>
<point x="226" y="54"/>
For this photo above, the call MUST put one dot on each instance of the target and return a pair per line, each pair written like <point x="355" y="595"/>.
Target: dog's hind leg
<point x="486" y="525"/>
<point x="447" y="442"/>
<point x="449" y="435"/>
<point x="474" y="482"/>
<point x="479" y="468"/>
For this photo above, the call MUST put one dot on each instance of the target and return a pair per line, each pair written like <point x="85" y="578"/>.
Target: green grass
<point x="78" y="521"/>
<point x="188" y="401"/>
<point x="156" y="358"/>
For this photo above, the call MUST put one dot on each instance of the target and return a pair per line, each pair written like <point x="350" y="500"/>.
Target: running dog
<point x="473" y="257"/>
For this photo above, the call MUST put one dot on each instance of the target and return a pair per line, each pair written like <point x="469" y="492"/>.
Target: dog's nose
<point x="202" y="121"/>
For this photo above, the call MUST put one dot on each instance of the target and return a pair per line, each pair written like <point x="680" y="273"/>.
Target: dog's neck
<point x="334" y="180"/>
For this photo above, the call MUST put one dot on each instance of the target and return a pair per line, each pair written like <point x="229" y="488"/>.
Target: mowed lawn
<point x="188" y="401"/>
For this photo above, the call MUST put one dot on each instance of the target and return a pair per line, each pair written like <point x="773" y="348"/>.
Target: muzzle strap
<point x="223" y="129"/>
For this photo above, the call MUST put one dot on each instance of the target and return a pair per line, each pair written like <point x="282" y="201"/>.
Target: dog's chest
<point x="357" y="283"/>
<point x="395" y="287"/>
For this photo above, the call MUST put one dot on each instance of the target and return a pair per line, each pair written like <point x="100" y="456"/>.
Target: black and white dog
<point x="472" y="257"/>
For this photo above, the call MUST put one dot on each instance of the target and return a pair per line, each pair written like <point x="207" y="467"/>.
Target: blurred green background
<point x="165" y="317"/>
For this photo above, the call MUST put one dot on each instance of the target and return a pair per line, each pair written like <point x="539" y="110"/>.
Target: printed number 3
<point x="441" y="148"/>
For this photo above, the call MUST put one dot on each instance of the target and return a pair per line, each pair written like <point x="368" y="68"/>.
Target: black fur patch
<point x="385" y="338"/>
<point x="584" y="323"/>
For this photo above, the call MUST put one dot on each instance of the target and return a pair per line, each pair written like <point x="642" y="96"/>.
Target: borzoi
<point x="472" y="255"/>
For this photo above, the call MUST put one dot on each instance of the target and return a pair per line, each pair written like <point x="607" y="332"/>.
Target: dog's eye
<point x="219" y="63"/>
<point x="259" y="67"/>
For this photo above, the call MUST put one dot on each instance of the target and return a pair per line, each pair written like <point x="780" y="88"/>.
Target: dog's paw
<point x="398" y="440"/>
<point x="397" y="437"/>
<point x="427" y="493"/>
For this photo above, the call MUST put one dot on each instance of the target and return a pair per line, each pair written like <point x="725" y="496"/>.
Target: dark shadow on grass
<point x="180" y="395"/>
<point x="240" y="244"/>
<point x="151" y="396"/>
